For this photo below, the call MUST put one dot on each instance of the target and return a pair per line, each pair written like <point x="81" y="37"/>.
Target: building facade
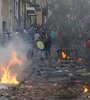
<point x="0" y="19"/>
<point x="8" y="15"/>
<point x="41" y="7"/>
<point x="11" y="15"/>
<point x="19" y="14"/>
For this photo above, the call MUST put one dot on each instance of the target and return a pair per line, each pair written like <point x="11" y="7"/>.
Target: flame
<point x="64" y="55"/>
<point x="85" y="89"/>
<point x="7" y="75"/>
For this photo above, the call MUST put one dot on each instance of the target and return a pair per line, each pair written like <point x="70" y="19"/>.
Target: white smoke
<point x="21" y="47"/>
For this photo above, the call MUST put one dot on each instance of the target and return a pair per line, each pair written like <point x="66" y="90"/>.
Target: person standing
<point x="47" y="47"/>
<point x="53" y="36"/>
<point x="8" y="34"/>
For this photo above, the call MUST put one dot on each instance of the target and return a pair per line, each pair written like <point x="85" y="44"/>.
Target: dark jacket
<point x="47" y="43"/>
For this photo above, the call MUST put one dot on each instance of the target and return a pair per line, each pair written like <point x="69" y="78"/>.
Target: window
<point x="4" y="26"/>
<point x="16" y="9"/>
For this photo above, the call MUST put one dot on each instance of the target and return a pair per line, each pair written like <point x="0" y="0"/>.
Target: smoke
<point x="21" y="48"/>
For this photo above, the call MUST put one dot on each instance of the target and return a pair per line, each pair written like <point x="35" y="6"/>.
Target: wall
<point x="39" y="18"/>
<point x="22" y="9"/>
<point x="7" y="12"/>
<point x="68" y="2"/>
<point x="15" y="21"/>
<point x="0" y="20"/>
<point x="43" y="3"/>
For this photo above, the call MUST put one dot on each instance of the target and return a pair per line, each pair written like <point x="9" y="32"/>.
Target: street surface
<point x="49" y="80"/>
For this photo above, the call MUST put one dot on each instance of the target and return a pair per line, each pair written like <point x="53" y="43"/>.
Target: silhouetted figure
<point x="8" y="34"/>
<point x="47" y="47"/>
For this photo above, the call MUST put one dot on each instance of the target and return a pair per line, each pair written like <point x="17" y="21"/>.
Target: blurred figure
<point x="8" y="34"/>
<point x="36" y="37"/>
<point x="47" y="47"/>
<point x="88" y="48"/>
<point x="53" y="36"/>
<point x="6" y="37"/>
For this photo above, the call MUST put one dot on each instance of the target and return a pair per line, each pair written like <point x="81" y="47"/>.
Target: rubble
<point x="3" y="87"/>
<point x="39" y="87"/>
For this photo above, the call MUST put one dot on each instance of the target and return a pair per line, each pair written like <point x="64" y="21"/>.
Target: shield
<point x="40" y="45"/>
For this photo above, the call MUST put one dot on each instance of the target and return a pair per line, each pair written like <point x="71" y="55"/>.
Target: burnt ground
<point x="50" y="80"/>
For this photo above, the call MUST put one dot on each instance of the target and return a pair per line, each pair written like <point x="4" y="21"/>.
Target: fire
<point x="85" y="89"/>
<point x="64" y="55"/>
<point x="7" y="75"/>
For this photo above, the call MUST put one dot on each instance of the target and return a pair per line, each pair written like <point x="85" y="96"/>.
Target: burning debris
<point x="65" y="54"/>
<point x="13" y="61"/>
<point x="8" y="76"/>
<point x="85" y="89"/>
